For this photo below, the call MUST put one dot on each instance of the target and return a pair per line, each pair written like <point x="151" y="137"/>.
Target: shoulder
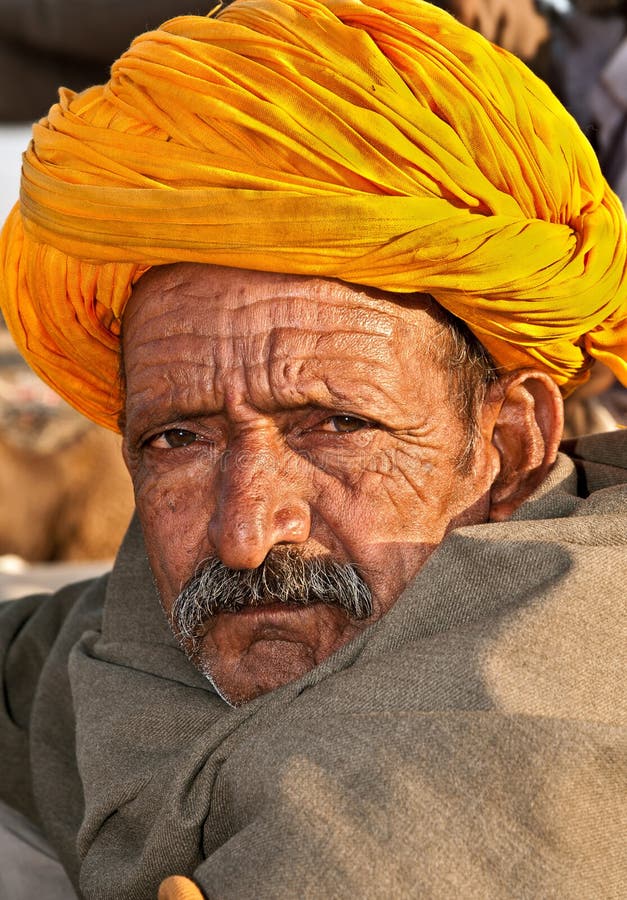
<point x="600" y="460"/>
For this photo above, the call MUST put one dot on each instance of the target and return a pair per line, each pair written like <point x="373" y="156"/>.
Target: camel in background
<point x="64" y="490"/>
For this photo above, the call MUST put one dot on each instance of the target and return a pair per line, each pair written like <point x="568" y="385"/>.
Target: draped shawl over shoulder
<point x="470" y="743"/>
<point x="379" y="142"/>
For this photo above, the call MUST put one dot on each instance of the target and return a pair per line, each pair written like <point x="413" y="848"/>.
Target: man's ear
<point x="526" y="434"/>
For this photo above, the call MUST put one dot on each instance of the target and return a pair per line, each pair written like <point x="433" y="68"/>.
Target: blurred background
<point x="60" y="520"/>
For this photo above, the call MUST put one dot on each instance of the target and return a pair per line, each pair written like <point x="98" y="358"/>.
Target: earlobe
<point x="526" y="434"/>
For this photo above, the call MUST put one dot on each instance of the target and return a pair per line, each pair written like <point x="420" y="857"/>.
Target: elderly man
<point x="329" y="268"/>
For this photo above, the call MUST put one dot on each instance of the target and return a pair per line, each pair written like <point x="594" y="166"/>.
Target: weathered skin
<point x="268" y="409"/>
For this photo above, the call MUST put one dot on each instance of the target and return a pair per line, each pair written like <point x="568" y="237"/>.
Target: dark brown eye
<point x="174" y="438"/>
<point x="346" y="424"/>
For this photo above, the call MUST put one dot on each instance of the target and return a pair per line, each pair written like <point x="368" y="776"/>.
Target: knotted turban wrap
<point x="379" y="142"/>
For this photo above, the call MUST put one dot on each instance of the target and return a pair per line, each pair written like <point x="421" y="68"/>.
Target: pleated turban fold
<point x="378" y="142"/>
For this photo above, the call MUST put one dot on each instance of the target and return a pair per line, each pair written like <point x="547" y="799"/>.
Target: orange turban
<point x="376" y="141"/>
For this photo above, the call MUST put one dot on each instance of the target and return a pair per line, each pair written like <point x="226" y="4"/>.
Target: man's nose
<point x="258" y="505"/>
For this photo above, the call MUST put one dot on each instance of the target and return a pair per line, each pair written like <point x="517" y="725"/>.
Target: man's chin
<point x="268" y="665"/>
<point x="251" y="653"/>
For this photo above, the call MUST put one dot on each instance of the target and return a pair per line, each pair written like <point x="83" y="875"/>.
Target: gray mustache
<point x="285" y="576"/>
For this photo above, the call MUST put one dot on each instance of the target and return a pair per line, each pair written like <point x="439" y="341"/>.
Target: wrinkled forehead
<point x="214" y="300"/>
<point x="220" y="336"/>
<point x="214" y="338"/>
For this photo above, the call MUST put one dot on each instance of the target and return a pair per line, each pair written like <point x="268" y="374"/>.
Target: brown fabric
<point x="471" y="743"/>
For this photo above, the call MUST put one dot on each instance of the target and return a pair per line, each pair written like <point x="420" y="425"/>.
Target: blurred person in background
<point x="48" y="43"/>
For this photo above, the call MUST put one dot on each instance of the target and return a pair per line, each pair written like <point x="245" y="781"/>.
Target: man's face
<point x="272" y="411"/>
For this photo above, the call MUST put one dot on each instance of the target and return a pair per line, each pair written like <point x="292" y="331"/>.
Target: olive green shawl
<point x="469" y="744"/>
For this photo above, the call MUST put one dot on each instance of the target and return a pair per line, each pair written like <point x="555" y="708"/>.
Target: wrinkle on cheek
<point x="175" y="532"/>
<point x="397" y="497"/>
<point x="148" y="477"/>
<point x="186" y="485"/>
<point x="366" y="453"/>
<point x="417" y="474"/>
<point x="413" y="459"/>
<point x="157" y="504"/>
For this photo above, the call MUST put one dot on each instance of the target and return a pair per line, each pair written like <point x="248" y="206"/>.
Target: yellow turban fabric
<point x="379" y="142"/>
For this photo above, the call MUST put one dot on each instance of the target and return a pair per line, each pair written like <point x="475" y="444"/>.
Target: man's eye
<point x="345" y="424"/>
<point x="173" y="438"/>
